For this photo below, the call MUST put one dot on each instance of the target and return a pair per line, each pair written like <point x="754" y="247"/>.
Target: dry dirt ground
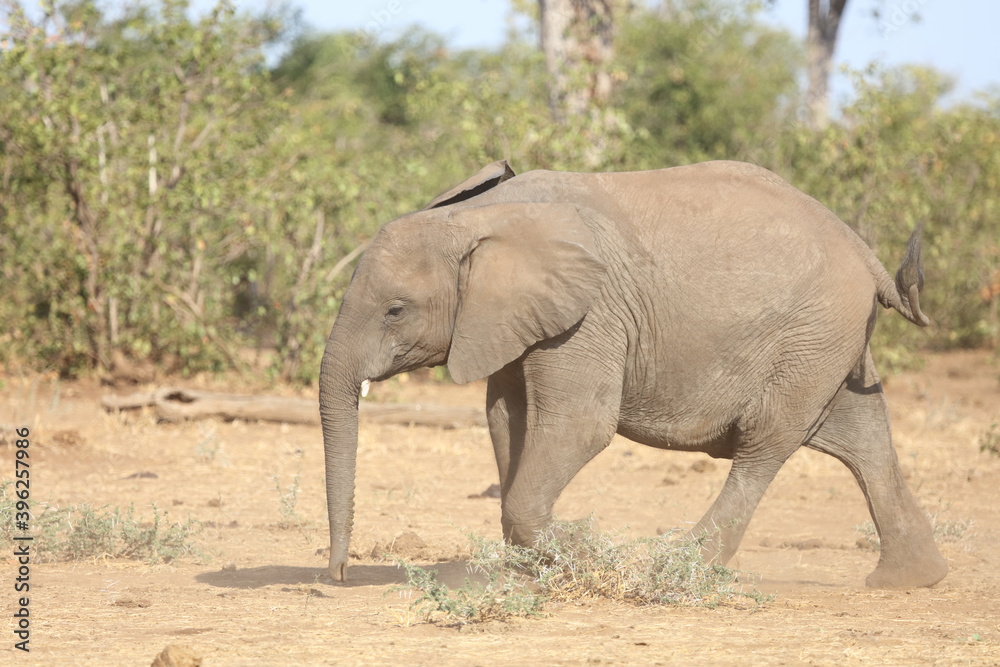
<point x="261" y="595"/>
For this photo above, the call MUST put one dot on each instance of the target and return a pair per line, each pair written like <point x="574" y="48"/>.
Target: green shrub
<point x="179" y="202"/>
<point x="570" y="561"/>
<point x="945" y="531"/>
<point x="289" y="498"/>
<point x="503" y="597"/>
<point x="83" y="532"/>
<point x="990" y="440"/>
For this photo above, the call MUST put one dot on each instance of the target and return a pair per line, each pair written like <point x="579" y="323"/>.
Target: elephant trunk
<point x="339" y="385"/>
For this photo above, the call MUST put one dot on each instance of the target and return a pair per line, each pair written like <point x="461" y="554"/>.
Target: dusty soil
<point x="261" y="596"/>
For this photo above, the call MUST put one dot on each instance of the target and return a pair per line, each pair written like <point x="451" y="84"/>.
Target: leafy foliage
<point x="164" y="196"/>
<point x="704" y="80"/>
<point x="134" y="155"/>
<point x="898" y="159"/>
<point x="989" y="441"/>
<point x="83" y="532"/>
<point x="945" y="531"/>
<point x="569" y="561"/>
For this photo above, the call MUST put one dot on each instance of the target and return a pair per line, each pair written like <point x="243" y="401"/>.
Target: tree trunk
<point x="89" y="246"/>
<point x="992" y="292"/>
<point x="821" y="40"/>
<point x="577" y="40"/>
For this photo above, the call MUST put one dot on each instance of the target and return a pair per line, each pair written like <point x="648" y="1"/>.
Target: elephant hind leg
<point x="768" y="434"/>
<point x="857" y="432"/>
<point x="721" y="529"/>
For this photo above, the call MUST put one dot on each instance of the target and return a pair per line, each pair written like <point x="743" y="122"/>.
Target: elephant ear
<point x="487" y="178"/>
<point x="531" y="273"/>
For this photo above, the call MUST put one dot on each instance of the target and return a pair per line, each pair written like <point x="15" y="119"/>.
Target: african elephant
<point x="710" y="307"/>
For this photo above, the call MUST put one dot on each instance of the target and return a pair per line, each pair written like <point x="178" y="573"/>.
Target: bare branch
<point x="344" y="261"/>
<point x="194" y="310"/>
<point x="311" y="256"/>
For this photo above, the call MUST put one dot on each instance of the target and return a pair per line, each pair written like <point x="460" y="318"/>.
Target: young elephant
<point x="710" y="308"/>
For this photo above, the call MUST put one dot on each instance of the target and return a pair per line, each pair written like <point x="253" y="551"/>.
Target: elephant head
<point x="470" y="286"/>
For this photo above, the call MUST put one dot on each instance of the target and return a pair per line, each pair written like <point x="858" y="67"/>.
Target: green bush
<point x="83" y="532"/>
<point x="945" y="531"/>
<point x="989" y="441"/>
<point x="571" y="561"/>
<point x="166" y="197"/>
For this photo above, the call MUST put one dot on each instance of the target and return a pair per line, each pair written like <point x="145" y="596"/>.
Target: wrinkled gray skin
<point x="710" y="308"/>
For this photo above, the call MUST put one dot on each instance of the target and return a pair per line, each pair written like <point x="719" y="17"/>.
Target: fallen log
<point x="172" y="405"/>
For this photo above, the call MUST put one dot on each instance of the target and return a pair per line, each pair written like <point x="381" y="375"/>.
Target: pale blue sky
<point x="957" y="36"/>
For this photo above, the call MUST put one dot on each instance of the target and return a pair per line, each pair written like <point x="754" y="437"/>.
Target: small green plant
<point x="81" y="532"/>
<point x="945" y="531"/>
<point x="289" y="498"/>
<point x="8" y="507"/>
<point x="502" y="597"/>
<point x="570" y="561"/>
<point x="209" y="448"/>
<point x="989" y="441"/>
<point x="868" y="537"/>
<point x="950" y="530"/>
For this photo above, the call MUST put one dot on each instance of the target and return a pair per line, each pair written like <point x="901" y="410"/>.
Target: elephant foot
<point x="536" y="535"/>
<point x="716" y="546"/>
<point x="710" y="546"/>
<point x="338" y="565"/>
<point x="915" y="574"/>
<point x="521" y="534"/>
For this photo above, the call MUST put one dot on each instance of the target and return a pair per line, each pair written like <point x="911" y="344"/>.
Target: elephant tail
<point x="903" y="295"/>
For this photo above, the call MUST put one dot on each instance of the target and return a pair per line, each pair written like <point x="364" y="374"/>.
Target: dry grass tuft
<point x="946" y="531"/>
<point x="572" y="561"/>
<point x="83" y="532"/>
<point x="989" y="441"/>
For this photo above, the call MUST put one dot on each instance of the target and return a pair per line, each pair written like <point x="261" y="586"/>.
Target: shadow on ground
<point x="452" y="574"/>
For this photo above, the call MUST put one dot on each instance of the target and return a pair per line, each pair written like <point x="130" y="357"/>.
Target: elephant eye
<point x="394" y="312"/>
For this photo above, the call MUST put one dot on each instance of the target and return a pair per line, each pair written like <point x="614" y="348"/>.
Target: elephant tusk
<point x="365" y="386"/>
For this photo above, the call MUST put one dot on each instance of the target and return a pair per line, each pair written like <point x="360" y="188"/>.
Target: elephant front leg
<point x="551" y="456"/>
<point x="506" y="414"/>
<point x="557" y="419"/>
